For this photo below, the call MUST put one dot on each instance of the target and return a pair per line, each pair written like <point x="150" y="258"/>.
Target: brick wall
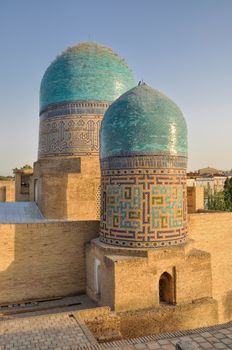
<point x="7" y="191"/>
<point x="68" y="188"/>
<point x="131" y="282"/>
<point x="104" y="323"/>
<point x="195" y="198"/>
<point x="43" y="260"/>
<point x="165" y="319"/>
<point x="213" y="232"/>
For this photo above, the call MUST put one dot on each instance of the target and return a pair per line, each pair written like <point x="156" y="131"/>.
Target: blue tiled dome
<point x="143" y="121"/>
<point x="87" y="71"/>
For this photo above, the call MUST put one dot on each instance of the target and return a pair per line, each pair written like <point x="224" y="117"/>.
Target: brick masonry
<point x="7" y="191"/>
<point x="43" y="260"/>
<point x="212" y="232"/>
<point x="68" y="187"/>
<point x="50" y="258"/>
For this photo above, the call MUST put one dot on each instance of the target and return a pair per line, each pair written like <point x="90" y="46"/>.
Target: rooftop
<point x="20" y="212"/>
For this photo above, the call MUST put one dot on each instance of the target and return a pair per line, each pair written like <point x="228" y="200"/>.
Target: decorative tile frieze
<point x="144" y="210"/>
<point x="81" y="108"/>
<point x="69" y="135"/>
<point x="148" y="162"/>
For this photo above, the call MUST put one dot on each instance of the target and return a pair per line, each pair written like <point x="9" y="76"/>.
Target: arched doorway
<point x="166" y="288"/>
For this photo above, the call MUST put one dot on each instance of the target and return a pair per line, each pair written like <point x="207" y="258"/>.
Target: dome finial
<point x="141" y="82"/>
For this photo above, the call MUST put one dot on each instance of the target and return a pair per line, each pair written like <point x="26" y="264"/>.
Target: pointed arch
<point x="166" y="288"/>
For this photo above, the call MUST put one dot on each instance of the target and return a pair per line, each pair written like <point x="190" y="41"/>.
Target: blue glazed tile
<point x="143" y="121"/>
<point x="87" y="71"/>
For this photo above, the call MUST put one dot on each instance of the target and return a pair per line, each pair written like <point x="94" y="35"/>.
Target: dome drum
<point x="143" y="208"/>
<point x="71" y="129"/>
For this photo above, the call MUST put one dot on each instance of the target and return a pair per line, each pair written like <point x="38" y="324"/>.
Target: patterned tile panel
<point x="147" y="210"/>
<point x="75" y="108"/>
<point x="151" y="162"/>
<point x="70" y="135"/>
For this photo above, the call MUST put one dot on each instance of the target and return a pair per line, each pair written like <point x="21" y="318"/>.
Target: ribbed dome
<point x="143" y="121"/>
<point x="87" y="71"/>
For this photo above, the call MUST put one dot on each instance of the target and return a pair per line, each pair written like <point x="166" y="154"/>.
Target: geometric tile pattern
<point x="70" y="135"/>
<point x="98" y="201"/>
<point x="71" y="129"/>
<point x="74" y="108"/>
<point x="144" y="210"/>
<point x="153" y="162"/>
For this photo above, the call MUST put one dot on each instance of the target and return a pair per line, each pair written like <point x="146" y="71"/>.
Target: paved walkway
<point x="42" y="332"/>
<point x="218" y="337"/>
<point x="63" y="331"/>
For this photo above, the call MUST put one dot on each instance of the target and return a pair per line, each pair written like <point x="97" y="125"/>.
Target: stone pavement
<point x="218" y="337"/>
<point x="58" y="331"/>
<point x="63" y="331"/>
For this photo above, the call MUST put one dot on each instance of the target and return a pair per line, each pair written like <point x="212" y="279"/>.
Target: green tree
<point x="215" y="200"/>
<point x="26" y="166"/>
<point x="228" y="194"/>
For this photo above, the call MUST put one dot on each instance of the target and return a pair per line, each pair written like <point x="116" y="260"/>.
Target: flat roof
<point x="20" y="212"/>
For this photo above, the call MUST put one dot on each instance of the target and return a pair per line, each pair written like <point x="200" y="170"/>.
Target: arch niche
<point x="166" y="288"/>
<point x="97" y="276"/>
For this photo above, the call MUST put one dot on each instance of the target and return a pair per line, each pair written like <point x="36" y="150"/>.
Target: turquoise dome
<point x="143" y="121"/>
<point x="87" y="71"/>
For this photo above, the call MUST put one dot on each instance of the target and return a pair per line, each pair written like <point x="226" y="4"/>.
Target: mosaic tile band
<point x="150" y="161"/>
<point x="69" y="135"/>
<point x="144" y="210"/>
<point x="130" y="244"/>
<point x="75" y="108"/>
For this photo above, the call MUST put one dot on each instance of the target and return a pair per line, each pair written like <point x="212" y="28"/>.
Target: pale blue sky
<point x="181" y="47"/>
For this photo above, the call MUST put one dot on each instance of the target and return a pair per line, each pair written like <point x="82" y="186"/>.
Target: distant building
<point x="214" y="182"/>
<point x="195" y="199"/>
<point x="7" y="190"/>
<point x="23" y="183"/>
<point x="210" y="171"/>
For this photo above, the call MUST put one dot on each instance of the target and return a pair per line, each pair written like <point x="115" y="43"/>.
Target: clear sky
<point x="181" y="47"/>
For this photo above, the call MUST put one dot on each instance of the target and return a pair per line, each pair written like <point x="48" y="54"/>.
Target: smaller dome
<point x="143" y="121"/>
